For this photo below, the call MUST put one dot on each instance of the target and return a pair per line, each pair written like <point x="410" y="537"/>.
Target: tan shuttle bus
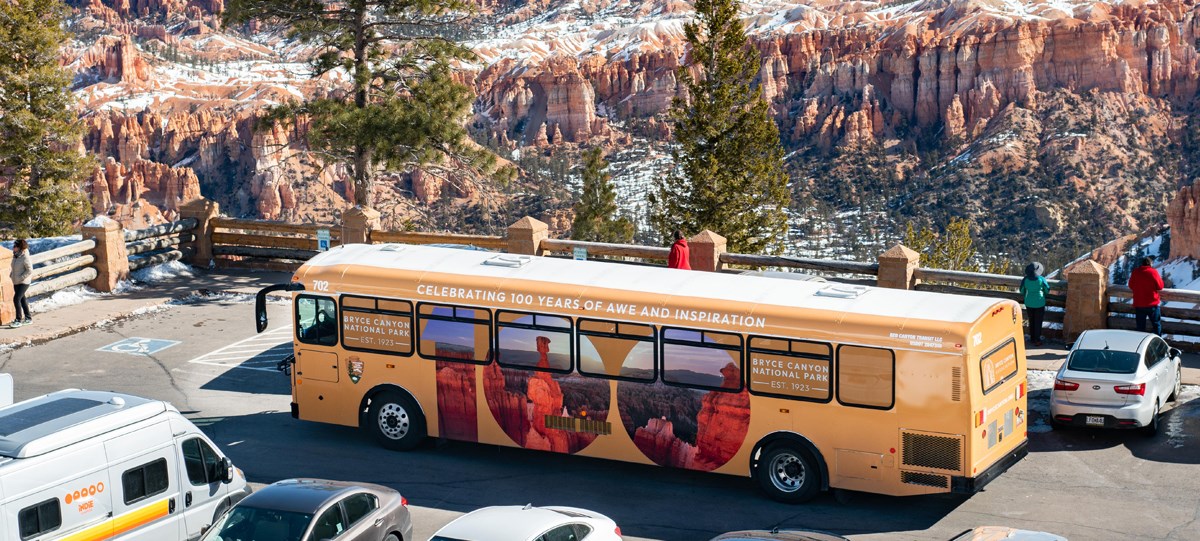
<point x="802" y="385"/>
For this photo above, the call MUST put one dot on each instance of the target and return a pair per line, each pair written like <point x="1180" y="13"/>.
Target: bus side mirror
<point x="260" y="302"/>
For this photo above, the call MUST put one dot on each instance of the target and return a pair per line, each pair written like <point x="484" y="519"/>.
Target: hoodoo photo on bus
<point x="802" y="385"/>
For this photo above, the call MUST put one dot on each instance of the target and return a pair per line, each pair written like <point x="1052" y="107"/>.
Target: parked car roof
<point x="1002" y="533"/>
<point x="301" y="495"/>
<point x="515" y="521"/>
<point x="779" y="535"/>
<point x="1111" y="339"/>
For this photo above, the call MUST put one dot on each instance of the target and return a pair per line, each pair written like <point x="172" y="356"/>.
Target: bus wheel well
<point x="381" y="389"/>
<point x="792" y="439"/>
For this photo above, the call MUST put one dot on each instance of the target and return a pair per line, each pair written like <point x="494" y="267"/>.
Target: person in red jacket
<point x="680" y="254"/>
<point x="1146" y="283"/>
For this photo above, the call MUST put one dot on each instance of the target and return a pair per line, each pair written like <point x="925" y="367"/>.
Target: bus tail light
<point x="1064" y="385"/>
<point x="1137" y="389"/>
<point x="1020" y="390"/>
<point x="978" y="418"/>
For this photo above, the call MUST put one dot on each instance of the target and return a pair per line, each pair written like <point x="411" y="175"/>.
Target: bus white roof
<point x="49" y="422"/>
<point x="875" y="301"/>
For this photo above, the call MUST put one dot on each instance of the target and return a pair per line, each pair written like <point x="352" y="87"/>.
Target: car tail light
<point x="403" y="501"/>
<point x="1064" y="385"/>
<point x="1138" y="389"/>
<point x="618" y="531"/>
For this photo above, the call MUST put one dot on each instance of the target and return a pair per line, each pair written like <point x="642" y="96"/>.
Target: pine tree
<point x="596" y="211"/>
<point x="729" y="174"/>
<point x="39" y="131"/>
<point x="403" y="107"/>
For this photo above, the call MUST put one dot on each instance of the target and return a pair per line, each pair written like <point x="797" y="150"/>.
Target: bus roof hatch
<point x="842" y="291"/>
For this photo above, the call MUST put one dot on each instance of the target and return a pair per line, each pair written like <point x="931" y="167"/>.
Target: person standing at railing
<point x="680" y="255"/>
<point x="22" y="276"/>
<point x="1033" y="291"/>
<point x="1146" y="283"/>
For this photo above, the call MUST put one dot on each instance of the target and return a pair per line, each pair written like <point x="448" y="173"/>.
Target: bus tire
<point x="396" y="421"/>
<point x="788" y="474"/>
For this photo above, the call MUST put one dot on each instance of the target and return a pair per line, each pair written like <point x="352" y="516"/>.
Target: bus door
<point x="316" y="374"/>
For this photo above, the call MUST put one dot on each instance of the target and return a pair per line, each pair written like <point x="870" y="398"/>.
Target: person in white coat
<point x="22" y="276"/>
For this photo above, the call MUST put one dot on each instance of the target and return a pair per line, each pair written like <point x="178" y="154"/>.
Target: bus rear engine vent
<point x="924" y="479"/>
<point x="956" y="384"/>
<point x="935" y="452"/>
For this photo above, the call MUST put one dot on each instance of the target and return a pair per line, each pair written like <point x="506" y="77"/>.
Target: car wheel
<point x="391" y="537"/>
<point x="396" y="421"/>
<point x="1178" y="382"/>
<point x="1152" y="428"/>
<point x="788" y="475"/>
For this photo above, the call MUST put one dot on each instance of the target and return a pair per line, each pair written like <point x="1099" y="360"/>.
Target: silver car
<point x="1115" y="379"/>
<point x="316" y="510"/>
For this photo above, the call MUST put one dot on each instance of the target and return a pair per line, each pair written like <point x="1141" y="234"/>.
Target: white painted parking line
<point x="259" y="352"/>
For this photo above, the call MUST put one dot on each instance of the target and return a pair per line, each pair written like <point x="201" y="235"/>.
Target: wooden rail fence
<point x="204" y="238"/>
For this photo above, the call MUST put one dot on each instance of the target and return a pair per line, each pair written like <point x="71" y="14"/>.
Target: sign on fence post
<point x="580" y="254"/>
<point x="322" y="240"/>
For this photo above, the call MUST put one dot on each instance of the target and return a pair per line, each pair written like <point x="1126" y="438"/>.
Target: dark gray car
<point x="316" y="510"/>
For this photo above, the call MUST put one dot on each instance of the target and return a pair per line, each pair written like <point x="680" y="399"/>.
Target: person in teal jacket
<point x="1033" y="290"/>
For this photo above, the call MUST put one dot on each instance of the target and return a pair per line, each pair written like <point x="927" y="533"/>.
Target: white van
<point x="88" y="465"/>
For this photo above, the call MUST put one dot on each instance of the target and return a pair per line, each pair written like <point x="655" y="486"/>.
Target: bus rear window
<point x="451" y="333"/>
<point x="1000" y="364"/>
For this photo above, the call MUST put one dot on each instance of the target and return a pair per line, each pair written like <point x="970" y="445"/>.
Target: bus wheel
<point x="788" y="475"/>
<point x="396" y="421"/>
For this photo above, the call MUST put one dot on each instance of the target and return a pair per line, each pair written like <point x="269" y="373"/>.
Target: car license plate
<point x="1095" y="420"/>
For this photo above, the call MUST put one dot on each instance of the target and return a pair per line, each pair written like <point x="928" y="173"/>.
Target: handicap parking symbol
<point x="139" y="346"/>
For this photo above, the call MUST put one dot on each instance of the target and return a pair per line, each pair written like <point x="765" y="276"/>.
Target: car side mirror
<point x="1070" y="346"/>
<point x="226" y="468"/>
<point x="1175" y="352"/>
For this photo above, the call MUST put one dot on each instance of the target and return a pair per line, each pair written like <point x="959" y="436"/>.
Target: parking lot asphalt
<point x="1077" y="483"/>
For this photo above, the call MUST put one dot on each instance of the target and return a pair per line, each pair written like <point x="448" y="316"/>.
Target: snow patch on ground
<point x="170" y="270"/>
<point x="1039" y="380"/>
<point x="64" y="297"/>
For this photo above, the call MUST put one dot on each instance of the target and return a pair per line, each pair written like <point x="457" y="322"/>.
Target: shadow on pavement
<point x="1176" y="441"/>
<point x="256" y="375"/>
<point x="646" y="501"/>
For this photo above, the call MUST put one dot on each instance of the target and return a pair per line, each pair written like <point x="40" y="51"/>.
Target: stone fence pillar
<point x="357" y="224"/>
<point x="897" y="268"/>
<point x="203" y="211"/>
<point x="704" y="251"/>
<point x="1087" y="299"/>
<point x="7" y="311"/>
<point x="526" y="236"/>
<point x="112" y="259"/>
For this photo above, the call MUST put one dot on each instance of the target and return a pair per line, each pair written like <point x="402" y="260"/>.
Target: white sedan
<point x="1115" y="379"/>
<point x="529" y="523"/>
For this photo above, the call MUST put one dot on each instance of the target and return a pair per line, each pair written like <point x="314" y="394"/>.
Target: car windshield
<point x="254" y="524"/>
<point x="1103" y="360"/>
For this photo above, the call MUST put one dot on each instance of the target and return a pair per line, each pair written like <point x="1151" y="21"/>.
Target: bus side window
<point x="454" y="333"/>
<point x="704" y="359"/>
<point x="612" y="350"/>
<point x="866" y="377"/>
<point x="785" y="368"/>
<point x="533" y="341"/>
<point x="316" y="320"/>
